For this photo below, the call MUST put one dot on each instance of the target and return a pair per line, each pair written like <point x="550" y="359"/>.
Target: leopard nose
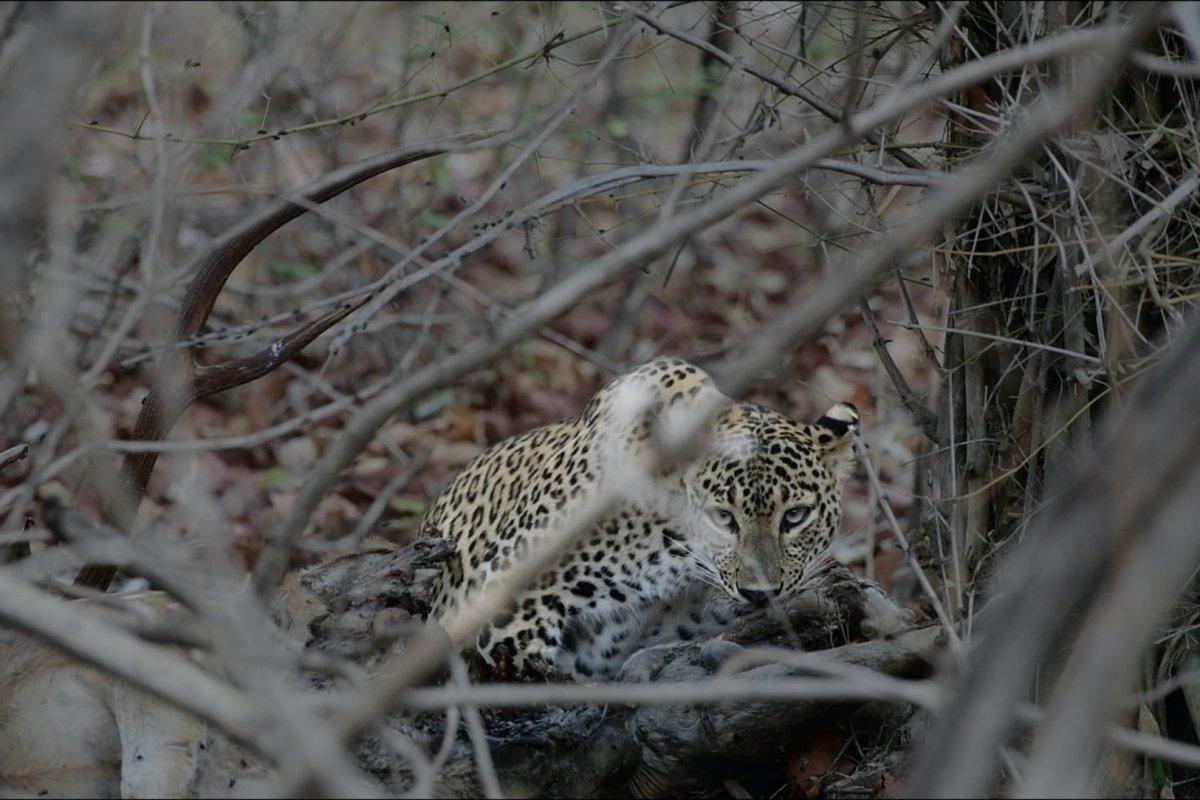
<point x="758" y="597"/>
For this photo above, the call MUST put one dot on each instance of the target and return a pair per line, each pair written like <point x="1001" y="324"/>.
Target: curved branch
<point x="180" y="382"/>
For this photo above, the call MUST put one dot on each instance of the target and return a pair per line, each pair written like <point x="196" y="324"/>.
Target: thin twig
<point x="13" y="455"/>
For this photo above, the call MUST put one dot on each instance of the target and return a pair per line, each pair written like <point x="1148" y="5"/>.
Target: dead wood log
<point x="362" y="604"/>
<point x="672" y="750"/>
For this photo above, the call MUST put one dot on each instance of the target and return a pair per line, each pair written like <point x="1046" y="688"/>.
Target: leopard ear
<point x="834" y="431"/>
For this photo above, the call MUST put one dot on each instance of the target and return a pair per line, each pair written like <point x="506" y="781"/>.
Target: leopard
<point x="747" y="521"/>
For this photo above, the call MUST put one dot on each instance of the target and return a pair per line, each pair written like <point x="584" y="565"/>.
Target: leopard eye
<point x="795" y="515"/>
<point x="723" y="518"/>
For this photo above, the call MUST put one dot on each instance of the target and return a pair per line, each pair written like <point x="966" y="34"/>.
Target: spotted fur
<point x="749" y="519"/>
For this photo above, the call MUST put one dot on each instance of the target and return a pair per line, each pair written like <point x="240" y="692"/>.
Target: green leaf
<point x="407" y="507"/>
<point x="618" y="127"/>
<point x="212" y="157"/>
<point x="294" y="270"/>
<point x="433" y="218"/>
<point x="434" y="20"/>
<point x="583" y="133"/>
<point x="276" y="478"/>
<point x="445" y="183"/>
<point x="1159" y="771"/>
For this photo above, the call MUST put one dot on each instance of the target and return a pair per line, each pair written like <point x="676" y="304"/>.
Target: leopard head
<point x="765" y="504"/>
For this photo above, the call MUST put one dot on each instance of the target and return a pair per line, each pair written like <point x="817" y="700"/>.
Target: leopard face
<point x="765" y="505"/>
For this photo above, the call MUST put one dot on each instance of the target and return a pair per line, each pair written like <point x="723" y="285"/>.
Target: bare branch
<point x="276" y="553"/>
<point x="13" y="454"/>
<point x="789" y="87"/>
<point x="181" y="383"/>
